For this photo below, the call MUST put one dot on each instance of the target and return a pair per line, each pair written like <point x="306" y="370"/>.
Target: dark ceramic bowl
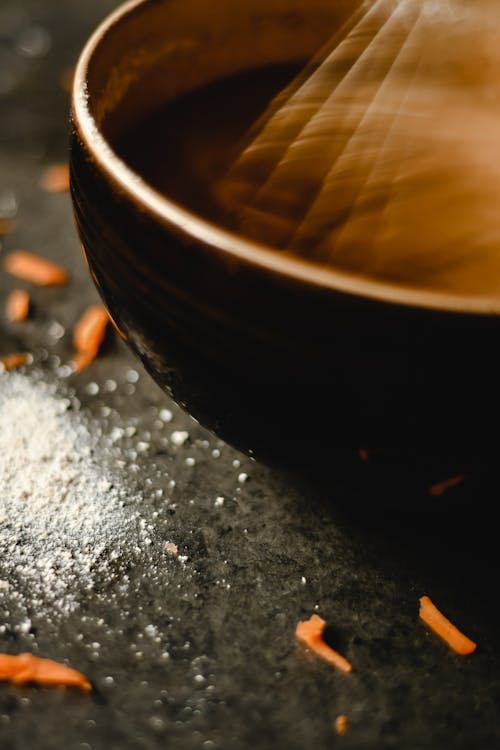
<point x="276" y="355"/>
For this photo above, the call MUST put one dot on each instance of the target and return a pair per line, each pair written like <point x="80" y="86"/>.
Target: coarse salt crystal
<point x="179" y="437"/>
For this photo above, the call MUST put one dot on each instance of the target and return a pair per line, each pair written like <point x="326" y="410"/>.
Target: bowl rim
<point x="227" y="242"/>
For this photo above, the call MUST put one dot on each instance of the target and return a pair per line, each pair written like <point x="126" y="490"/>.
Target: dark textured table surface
<point x="272" y="552"/>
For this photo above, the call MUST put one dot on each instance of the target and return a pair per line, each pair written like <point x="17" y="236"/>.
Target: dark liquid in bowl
<point x="187" y="145"/>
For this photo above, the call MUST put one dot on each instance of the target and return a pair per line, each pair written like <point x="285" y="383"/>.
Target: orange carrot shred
<point x="12" y="361"/>
<point x="90" y="329"/>
<point x="437" y="622"/>
<point x="67" y="79"/>
<point x="310" y="634"/>
<point x="35" y="269"/>
<point x="341" y="724"/>
<point x="24" y="668"/>
<point x="6" y="226"/>
<point x="17" y="306"/>
<point x="440" y="487"/>
<point x="55" y="179"/>
<point x="88" y="335"/>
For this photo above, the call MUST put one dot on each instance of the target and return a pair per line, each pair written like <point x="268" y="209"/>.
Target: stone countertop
<point x="200" y="651"/>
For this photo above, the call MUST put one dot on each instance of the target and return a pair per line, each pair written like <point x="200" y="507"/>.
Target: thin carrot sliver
<point x="341" y="725"/>
<point x="24" y="668"/>
<point x="437" y="622"/>
<point x="35" y="269"/>
<point x="6" y="226"/>
<point x="55" y="179"/>
<point x="67" y="78"/>
<point x="88" y="335"/>
<point x="17" y="306"/>
<point x="12" y="361"/>
<point x="310" y="634"/>
<point x="90" y="329"/>
<point x="440" y="487"/>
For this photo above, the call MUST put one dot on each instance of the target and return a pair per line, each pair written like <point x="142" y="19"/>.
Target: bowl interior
<point x="148" y="54"/>
<point x="151" y="53"/>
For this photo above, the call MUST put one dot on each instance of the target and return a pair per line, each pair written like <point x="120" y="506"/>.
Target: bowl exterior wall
<point x="266" y="360"/>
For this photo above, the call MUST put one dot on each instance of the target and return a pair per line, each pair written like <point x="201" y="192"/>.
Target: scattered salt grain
<point x="65" y="371"/>
<point x="242" y="478"/>
<point x="219" y="502"/>
<point x="151" y="631"/>
<point x="117" y="433"/>
<point x="56" y="331"/>
<point x="132" y="376"/>
<point x="25" y="626"/>
<point x="179" y="437"/>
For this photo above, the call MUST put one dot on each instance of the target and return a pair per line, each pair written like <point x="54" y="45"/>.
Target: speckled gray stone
<point x="200" y="652"/>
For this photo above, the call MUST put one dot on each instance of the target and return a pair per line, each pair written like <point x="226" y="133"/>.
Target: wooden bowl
<point x="293" y="361"/>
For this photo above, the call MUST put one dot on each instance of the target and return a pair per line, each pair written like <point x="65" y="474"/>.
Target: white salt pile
<point x="66" y="523"/>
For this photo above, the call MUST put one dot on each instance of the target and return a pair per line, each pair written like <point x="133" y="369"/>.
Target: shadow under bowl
<point x="300" y="364"/>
